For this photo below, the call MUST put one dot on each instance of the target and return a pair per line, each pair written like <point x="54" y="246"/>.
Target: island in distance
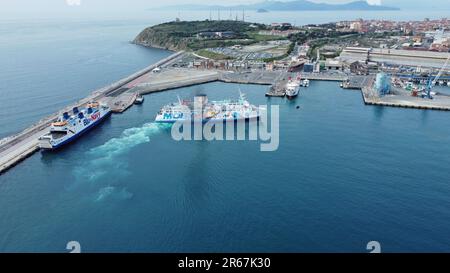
<point x="298" y="5"/>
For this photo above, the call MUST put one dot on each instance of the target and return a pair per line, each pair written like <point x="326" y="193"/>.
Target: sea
<point x="344" y="174"/>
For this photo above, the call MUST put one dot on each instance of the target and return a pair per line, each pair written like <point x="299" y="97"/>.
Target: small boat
<point x="305" y="83"/>
<point x="139" y="100"/>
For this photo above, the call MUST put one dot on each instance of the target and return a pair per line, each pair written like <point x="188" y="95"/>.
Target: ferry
<point x="70" y="127"/>
<point x="214" y="111"/>
<point x="293" y="88"/>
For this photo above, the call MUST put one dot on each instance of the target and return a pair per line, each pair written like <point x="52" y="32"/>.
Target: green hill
<point x="184" y="35"/>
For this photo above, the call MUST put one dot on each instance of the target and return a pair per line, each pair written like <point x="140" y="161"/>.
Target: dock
<point x="122" y="94"/>
<point x="276" y="92"/>
<point x="254" y="77"/>
<point x="439" y="102"/>
<point x="335" y="77"/>
<point x="15" y="149"/>
<point x="356" y="82"/>
<point x="173" y="78"/>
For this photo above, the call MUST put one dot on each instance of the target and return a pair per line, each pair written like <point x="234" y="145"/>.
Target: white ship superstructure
<point x="70" y="127"/>
<point x="293" y="87"/>
<point x="201" y="110"/>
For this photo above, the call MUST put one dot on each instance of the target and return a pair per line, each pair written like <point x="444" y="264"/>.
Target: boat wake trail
<point x="105" y="163"/>
<point x="112" y="192"/>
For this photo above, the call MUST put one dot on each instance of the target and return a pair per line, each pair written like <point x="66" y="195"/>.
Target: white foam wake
<point x="112" y="192"/>
<point x="104" y="163"/>
<point x="129" y="139"/>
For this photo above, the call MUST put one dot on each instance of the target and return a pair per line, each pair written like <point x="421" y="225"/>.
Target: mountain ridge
<point x="298" y="5"/>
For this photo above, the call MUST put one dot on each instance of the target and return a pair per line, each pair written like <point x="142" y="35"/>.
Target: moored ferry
<point x="293" y="87"/>
<point x="70" y="127"/>
<point x="201" y="110"/>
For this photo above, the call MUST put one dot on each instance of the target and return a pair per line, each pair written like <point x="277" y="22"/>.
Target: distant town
<point x="333" y="46"/>
<point x="394" y="63"/>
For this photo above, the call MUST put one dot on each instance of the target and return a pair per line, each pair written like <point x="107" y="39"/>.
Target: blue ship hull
<point x="76" y="136"/>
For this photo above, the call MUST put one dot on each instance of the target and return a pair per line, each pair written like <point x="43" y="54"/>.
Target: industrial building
<point x="395" y="56"/>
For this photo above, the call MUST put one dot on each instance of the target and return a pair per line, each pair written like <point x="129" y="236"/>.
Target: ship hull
<point x="255" y="118"/>
<point x="291" y="97"/>
<point x="50" y="147"/>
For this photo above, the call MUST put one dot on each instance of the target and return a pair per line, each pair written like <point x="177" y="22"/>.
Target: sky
<point x="118" y="5"/>
<point x="29" y="5"/>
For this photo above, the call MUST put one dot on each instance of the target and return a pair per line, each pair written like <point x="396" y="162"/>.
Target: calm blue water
<point x="49" y="64"/>
<point x="345" y="174"/>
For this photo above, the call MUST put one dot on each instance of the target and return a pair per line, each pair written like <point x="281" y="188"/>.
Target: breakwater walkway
<point x="16" y="148"/>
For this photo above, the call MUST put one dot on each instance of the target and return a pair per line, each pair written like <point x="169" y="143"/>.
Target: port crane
<point x="433" y="80"/>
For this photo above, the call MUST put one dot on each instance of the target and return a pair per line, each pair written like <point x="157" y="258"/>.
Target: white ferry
<point x="201" y="110"/>
<point x="293" y="87"/>
<point x="70" y="127"/>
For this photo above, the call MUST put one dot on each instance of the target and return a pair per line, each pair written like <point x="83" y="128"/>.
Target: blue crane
<point x="433" y="80"/>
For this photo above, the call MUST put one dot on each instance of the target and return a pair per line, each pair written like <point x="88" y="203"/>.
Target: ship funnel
<point x="66" y="116"/>
<point x="80" y="115"/>
<point x="75" y="110"/>
<point x="201" y="99"/>
<point x="89" y="110"/>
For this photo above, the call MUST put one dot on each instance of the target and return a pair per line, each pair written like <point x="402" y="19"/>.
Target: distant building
<point x="331" y="64"/>
<point x="308" y="68"/>
<point x="216" y="35"/>
<point x="226" y="34"/>
<point x="363" y="68"/>
<point x="358" y="68"/>
<point x="281" y="26"/>
<point x="206" y="35"/>
<point x="356" y="26"/>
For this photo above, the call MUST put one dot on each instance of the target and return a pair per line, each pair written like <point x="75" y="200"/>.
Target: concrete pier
<point x="22" y="145"/>
<point x="122" y="94"/>
<point x="357" y="82"/>
<point x="441" y="103"/>
<point x="337" y="77"/>
<point x="172" y="78"/>
<point x="254" y="77"/>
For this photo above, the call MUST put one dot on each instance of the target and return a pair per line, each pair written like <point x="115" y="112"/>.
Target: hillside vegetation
<point x="183" y="35"/>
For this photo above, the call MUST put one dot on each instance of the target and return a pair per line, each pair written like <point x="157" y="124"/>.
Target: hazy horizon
<point x="28" y="6"/>
<point x="141" y="9"/>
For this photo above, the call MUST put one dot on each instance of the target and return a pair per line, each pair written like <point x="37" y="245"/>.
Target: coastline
<point x="18" y="147"/>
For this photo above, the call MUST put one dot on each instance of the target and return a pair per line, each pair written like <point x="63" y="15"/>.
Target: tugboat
<point x="305" y="83"/>
<point x="69" y="127"/>
<point x="139" y="99"/>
